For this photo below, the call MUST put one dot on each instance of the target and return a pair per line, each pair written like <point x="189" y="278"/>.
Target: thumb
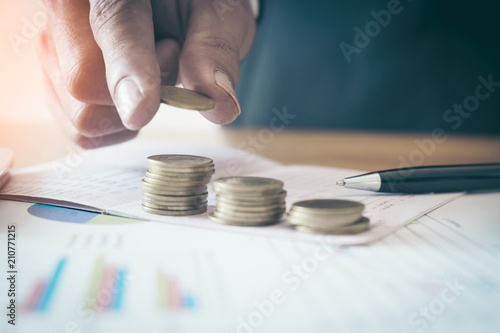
<point x="211" y="55"/>
<point x="124" y="32"/>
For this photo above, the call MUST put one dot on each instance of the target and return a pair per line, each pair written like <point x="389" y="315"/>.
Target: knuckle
<point x="222" y="45"/>
<point x="93" y="121"/>
<point x="109" y="13"/>
<point x="101" y="12"/>
<point x="85" y="79"/>
<point x="82" y="121"/>
<point x="79" y="82"/>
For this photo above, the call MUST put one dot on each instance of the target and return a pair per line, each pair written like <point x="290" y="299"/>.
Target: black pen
<point x="425" y="179"/>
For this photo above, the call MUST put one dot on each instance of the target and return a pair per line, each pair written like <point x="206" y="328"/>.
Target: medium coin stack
<point x="328" y="216"/>
<point x="248" y="201"/>
<point x="176" y="185"/>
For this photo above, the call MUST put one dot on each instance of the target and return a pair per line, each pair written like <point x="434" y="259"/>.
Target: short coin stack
<point x="176" y="185"/>
<point x="248" y="201"/>
<point x="328" y="216"/>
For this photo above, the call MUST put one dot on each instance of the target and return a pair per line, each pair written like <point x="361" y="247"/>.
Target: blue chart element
<point x="120" y="284"/>
<point x="52" y="286"/>
<point x="188" y="301"/>
<point x="61" y="214"/>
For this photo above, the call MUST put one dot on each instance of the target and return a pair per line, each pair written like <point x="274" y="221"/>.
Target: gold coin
<point x="252" y="185"/>
<point x="214" y="218"/>
<point x="191" y="202"/>
<point x="322" y="220"/>
<point x="174" y="212"/>
<point x="252" y="200"/>
<point x="328" y="206"/>
<point x="176" y="177"/>
<point x="175" y="198"/>
<point x="250" y="215"/>
<point x="175" y="201"/>
<point x="186" y="99"/>
<point x="244" y="220"/>
<point x="360" y="226"/>
<point x="180" y="161"/>
<point x="172" y="207"/>
<point x="161" y="170"/>
<point x="194" y="174"/>
<point x="249" y="209"/>
<point x="172" y="190"/>
<point x="175" y="194"/>
<point x="173" y="183"/>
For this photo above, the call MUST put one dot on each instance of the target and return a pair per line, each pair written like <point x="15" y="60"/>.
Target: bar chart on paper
<point x="172" y="296"/>
<point x="439" y="274"/>
<point x="107" y="286"/>
<point x="42" y="293"/>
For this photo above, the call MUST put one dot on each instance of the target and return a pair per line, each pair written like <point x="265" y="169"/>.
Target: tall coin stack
<point x="248" y="201"/>
<point x="176" y="185"/>
<point x="328" y="216"/>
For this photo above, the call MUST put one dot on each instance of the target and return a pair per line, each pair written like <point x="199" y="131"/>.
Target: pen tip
<point x="341" y="182"/>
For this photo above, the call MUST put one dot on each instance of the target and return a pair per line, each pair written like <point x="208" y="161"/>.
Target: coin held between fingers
<point x="186" y="99"/>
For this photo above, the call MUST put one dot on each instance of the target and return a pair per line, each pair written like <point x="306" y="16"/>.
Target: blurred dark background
<point x="425" y="60"/>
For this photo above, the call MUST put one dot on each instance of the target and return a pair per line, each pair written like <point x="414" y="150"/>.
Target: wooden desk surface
<point x="356" y="150"/>
<point x="371" y="150"/>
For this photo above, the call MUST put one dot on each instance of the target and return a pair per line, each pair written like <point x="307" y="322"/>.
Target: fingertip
<point x="227" y="107"/>
<point x="223" y="81"/>
<point x="136" y="106"/>
<point x="212" y="79"/>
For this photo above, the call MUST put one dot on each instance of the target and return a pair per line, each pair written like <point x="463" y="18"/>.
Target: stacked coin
<point x="248" y="201"/>
<point x="176" y="185"/>
<point x="328" y="216"/>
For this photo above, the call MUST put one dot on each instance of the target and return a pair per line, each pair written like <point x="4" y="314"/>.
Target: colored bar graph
<point x="188" y="301"/>
<point x="170" y="294"/>
<point x="35" y="296"/>
<point x="95" y="282"/>
<point x="162" y="290"/>
<point x="44" y="290"/>
<point x="107" y="287"/>
<point x="105" y="297"/>
<point x="120" y="282"/>
<point x="174" y="293"/>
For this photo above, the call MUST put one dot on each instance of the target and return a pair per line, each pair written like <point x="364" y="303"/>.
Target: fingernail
<point x="127" y="99"/>
<point x="222" y="80"/>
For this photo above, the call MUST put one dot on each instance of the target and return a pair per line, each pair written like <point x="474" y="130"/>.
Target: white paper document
<point x="107" y="180"/>
<point x="439" y="274"/>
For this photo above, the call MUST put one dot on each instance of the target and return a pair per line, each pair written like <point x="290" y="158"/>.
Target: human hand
<point x="104" y="61"/>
